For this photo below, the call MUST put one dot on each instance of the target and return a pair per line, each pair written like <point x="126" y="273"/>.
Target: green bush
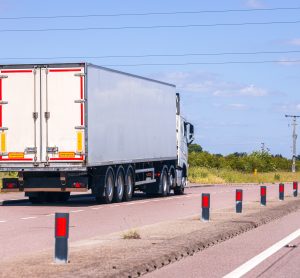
<point x="261" y="160"/>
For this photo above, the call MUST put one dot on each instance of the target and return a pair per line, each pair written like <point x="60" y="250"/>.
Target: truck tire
<point x="63" y="196"/>
<point x="179" y="190"/>
<point x="34" y="200"/>
<point x="129" y="184"/>
<point x="164" y="183"/>
<point x="108" y="193"/>
<point x="38" y="197"/>
<point x="172" y="177"/>
<point x="119" y="185"/>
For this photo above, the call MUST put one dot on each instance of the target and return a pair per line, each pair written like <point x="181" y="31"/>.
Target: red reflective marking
<point x="61" y="226"/>
<point x="63" y="70"/>
<point x="263" y="191"/>
<point x="239" y="195"/>
<point x="205" y="201"/>
<point x="81" y="97"/>
<point x="295" y="185"/>
<point x="0" y="105"/>
<point x="71" y="158"/>
<point x="15" y="71"/>
<point x="281" y="188"/>
<point x="16" y="159"/>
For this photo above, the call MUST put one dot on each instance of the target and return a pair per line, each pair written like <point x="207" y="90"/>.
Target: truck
<point x="75" y="127"/>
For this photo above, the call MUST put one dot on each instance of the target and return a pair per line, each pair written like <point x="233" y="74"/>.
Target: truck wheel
<point x="63" y="197"/>
<point x="119" y="185"/>
<point x="108" y="186"/>
<point x="172" y="177"/>
<point x="38" y="197"/>
<point x="164" y="183"/>
<point x="34" y="200"/>
<point x="129" y="184"/>
<point x="179" y="190"/>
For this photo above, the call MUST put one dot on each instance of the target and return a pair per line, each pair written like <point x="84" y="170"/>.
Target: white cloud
<point x="289" y="62"/>
<point x="295" y="41"/>
<point x="256" y="4"/>
<point x="253" y="91"/>
<point x="211" y="84"/>
<point x="237" y="106"/>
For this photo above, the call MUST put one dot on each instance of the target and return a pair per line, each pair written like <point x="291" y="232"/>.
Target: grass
<point x="131" y="234"/>
<point x="218" y="176"/>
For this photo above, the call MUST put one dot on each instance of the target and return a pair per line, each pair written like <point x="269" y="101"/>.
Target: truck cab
<point x="185" y="136"/>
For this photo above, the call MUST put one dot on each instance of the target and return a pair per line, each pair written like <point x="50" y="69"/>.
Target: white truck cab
<point x="185" y="136"/>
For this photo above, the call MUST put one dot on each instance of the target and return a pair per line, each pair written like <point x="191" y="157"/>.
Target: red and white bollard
<point x="295" y="188"/>
<point x="239" y="201"/>
<point x="263" y="195"/>
<point x="281" y="191"/>
<point x="205" y="206"/>
<point x="61" y="237"/>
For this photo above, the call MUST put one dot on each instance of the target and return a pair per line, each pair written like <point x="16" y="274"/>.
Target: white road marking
<point x="75" y="211"/>
<point x="97" y="208"/>
<point x="30" y="217"/>
<point x="51" y="214"/>
<point x="3" y="221"/>
<point x="252" y="263"/>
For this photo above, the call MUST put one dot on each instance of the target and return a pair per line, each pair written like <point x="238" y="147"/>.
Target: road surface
<point x="26" y="228"/>
<point x="231" y="255"/>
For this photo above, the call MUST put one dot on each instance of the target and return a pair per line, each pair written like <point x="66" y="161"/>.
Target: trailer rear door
<point x="63" y="105"/>
<point x="19" y="100"/>
<point x="42" y="115"/>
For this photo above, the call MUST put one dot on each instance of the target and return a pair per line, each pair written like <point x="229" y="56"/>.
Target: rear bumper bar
<point x="58" y="168"/>
<point x="45" y="190"/>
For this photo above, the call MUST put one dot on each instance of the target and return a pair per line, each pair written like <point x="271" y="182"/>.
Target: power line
<point x="203" y="63"/>
<point x="150" y="27"/>
<point x="152" y="55"/>
<point x="149" y="13"/>
<point x="198" y="63"/>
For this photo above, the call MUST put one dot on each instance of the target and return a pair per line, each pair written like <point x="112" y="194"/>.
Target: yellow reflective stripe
<point x="14" y="155"/>
<point x="3" y="142"/>
<point x="79" y="141"/>
<point x="66" y="154"/>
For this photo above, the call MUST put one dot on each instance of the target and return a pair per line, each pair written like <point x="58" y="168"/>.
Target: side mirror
<point x="190" y="134"/>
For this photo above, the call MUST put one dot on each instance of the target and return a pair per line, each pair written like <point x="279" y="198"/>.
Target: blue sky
<point x="234" y="107"/>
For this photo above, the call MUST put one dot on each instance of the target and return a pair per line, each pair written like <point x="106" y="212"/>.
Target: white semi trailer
<point x="72" y="127"/>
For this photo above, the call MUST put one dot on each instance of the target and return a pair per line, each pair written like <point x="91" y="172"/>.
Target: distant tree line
<point x="263" y="161"/>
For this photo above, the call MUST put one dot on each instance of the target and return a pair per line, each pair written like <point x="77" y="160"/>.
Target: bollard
<point x="281" y="191"/>
<point x="239" y="200"/>
<point x="295" y="188"/>
<point x="205" y="206"/>
<point x="61" y="237"/>
<point x="263" y="195"/>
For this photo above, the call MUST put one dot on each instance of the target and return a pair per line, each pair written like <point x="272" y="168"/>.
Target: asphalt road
<point x="224" y="258"/>
<point x="26" y="228"/>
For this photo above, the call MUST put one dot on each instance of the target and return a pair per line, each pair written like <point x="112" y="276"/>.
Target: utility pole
<point x="263" y="147"/>
<point x="294" y="136"/>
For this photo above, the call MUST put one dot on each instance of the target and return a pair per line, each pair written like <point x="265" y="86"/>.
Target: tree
<point x="195" y="148"/>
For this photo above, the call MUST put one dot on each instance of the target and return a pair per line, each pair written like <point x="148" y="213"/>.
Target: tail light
<point x="78" y="185"/>
<point x="11" y="185"/>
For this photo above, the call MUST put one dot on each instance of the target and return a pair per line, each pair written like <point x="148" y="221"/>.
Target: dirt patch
<point x="160" y="244"/>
